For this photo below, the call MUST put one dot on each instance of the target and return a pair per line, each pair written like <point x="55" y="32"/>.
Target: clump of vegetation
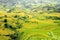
<point x="53" y="17"/>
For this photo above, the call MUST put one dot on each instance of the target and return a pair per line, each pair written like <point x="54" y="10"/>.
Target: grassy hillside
<point x="24" y="26"/>
<point x="29" y="20"/>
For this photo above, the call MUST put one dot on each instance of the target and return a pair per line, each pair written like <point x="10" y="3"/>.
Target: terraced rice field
<point x="29" y="19"/>
<point x="23" y="26"/>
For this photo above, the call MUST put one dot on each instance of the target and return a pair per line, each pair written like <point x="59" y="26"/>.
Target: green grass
<point x="30" y="28"/>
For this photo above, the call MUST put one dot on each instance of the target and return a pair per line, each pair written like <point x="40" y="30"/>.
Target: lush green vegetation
<point x="36" y="23"/>
<point x="23" y="26"/>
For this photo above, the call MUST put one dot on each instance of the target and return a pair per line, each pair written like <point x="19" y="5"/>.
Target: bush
<point x="53" y="17"/>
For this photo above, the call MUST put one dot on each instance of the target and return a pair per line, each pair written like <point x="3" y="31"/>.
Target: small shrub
<point x="53" y="17"/>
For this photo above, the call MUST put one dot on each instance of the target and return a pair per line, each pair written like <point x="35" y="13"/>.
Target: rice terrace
<point x="29" y="19"/>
